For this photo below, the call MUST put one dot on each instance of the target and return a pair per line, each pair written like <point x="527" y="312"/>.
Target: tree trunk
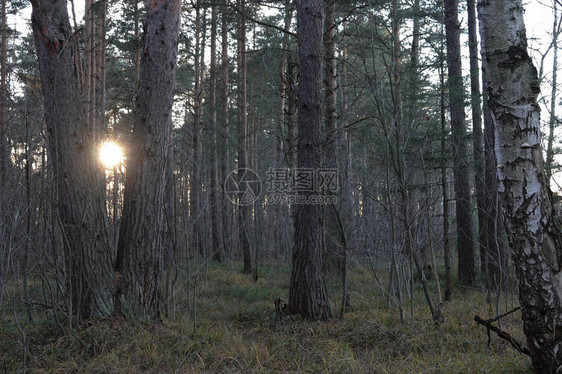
<point x="80" y="201"/>
<point x="496" y="260"/>
<point x="216" y="222"/>
<point x="476" y="106"/>
<point x="281" y="239"/>
<point x="101" y="16"/>
<point x="4" y="152"/>
<point x="244" y="210"/>
<point x="222" y="87"/>
<point x="138" y="42"/>
<point x="332" y="239"/>
<point x="554" y="91"/>
<point x="536" y="242"/>
<point x="466" y="265"/>
<point x="307" y="292"/>
<point x="291" y="112"/>
<point x="139" y="258"/>
<point x="413" y="74"/>
<point x="344" y="167"/>
<point x="444" y="187"/>
<point x="196" y="180"/>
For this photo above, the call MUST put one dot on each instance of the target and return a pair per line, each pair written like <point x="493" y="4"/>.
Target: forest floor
<point x="235" y="330"/>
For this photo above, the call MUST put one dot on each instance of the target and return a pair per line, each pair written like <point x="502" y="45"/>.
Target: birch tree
<point x="536" y="242"/>
<point x="476" y="106"/>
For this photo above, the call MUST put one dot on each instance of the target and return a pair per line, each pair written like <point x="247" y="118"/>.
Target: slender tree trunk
<point x="88" y="51"/>
<point x="536" y="241"/>
<point x="140" y="250"/>
<point x="4" y="148"/>
<point x="307" y="291"/>
<point x="414" y="76"/>
<point x="346" y="207"/>
<point x="476" y="105"/>
<point x="223" y="116"/>
<point x="216" y="221"/>
<point x="80" y="203"/>
<point x="332" y="257"/>
<point x="101" y="15"/>
<point x="291" y="112"/>
<point x="496" y="260"/>
<point x="196" y="180"/>
<point x="553" y="94"/>
<point x="244" y="210"/>
<point x="444" y="187"/>
<point x="138" y="43"/>
<point x="466" y="265"/>
<point x="282" y="144"/>
<point x="4" y="152"/>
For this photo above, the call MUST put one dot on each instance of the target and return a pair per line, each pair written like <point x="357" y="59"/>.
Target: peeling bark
<point x="536" y="243"/>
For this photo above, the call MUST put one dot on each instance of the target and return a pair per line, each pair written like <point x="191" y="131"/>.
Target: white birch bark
<point x="526" y="200"/>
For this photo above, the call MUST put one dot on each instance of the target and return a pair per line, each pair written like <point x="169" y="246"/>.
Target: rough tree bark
<point x="307" y="293"/>
<point x="80" y="202"/>
<point x="138" y="268"/>
<point x="536" y="242"/>
<point x="466" y="265"/>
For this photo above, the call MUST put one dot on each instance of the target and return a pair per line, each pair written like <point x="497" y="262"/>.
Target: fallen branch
<point x="503" y="315"/>
<point x="502" y="334"/>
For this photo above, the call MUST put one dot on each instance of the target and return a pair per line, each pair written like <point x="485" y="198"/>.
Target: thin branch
<point x="502" y="334"/>
<point x="265" y="24"/>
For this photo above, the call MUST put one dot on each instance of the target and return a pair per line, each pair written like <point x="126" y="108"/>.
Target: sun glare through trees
<point x="280" y="186"/>
<point x="111" y="154"/>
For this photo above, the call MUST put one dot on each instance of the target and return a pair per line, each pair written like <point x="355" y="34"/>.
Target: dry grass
<point x="236" y="332"/>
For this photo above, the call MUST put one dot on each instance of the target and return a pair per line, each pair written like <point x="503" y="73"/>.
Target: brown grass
<point x="236" y="332"/>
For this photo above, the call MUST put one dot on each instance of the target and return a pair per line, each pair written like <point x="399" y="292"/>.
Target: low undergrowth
<point x="234" y="330"/>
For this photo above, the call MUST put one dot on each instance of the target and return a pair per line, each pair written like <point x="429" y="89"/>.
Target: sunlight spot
<point x="111" y="154"/>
